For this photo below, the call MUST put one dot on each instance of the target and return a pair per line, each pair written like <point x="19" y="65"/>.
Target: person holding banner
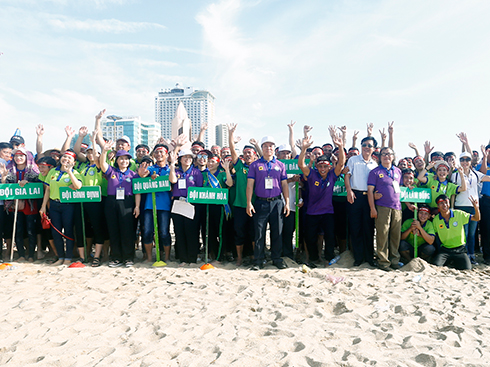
<point x="320" y="211"/>
<point x="163" y="205"/>
<point x="215" y="178"/>
<point x="121" y="206"/>
<point x="62" y="214"/>
<point x="184" y="216"/>
<point x="424" y="230"/>
<point x="22" y="173"/>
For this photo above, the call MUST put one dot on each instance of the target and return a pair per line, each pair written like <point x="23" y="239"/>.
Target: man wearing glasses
<point x="360" y="222"/>
<point x="387" y="210"/>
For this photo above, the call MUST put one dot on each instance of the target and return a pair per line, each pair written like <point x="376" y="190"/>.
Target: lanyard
<point x="61" y="174"/>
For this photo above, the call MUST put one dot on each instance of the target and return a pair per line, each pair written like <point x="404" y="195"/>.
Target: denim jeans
<point x="469" y="229"/>
<point x="62" y="218"/>
<point x="163" y="220"/>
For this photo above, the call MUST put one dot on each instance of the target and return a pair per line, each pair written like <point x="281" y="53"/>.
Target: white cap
<point x="125" y="138"/>
<point x="184" y="152"/>
<point x="284" y="147"/>
<point x="465" y="154"/>
<point x="267" y="139"/>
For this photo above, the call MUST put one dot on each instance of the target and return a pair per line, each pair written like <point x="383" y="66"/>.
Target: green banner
<point x="292" y="165"/>
<point x="148" y="185"/>
<point x="339" y="188"/>
<point x="415" y="195"/>
<point x="207" y="195"/>
<point x="31" y="190"/>
<point x="86" y="194"/>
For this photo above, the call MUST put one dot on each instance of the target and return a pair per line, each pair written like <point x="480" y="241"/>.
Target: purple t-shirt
<point x="320" y="192"/>
<point x="116" y="179"/>
<point x="193" y="178"/>
<point x="260" y="170"/>
<point x="382" y="180"/>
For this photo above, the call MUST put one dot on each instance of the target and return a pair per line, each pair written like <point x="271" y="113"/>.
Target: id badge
<point x="120" y="193"/>
<point x="268" y="183"/>
<point x="182" y="184"/>
<point x="396" y="186"/>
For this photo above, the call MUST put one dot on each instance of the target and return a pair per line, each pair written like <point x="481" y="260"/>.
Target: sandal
<point x="96" y="262"/>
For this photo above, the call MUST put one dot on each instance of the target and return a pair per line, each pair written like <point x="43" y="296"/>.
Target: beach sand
<point x="143" y="316"/>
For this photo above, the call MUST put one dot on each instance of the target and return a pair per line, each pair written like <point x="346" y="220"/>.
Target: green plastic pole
<point x="207" y="231"/>
<point x="83" y="234"/>
<point x="415" y="245"/>
<point x="296" y="215"/>
<point x="155" y="228"/>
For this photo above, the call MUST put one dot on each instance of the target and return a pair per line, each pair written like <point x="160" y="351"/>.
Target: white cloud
<point x="63" y="23"/>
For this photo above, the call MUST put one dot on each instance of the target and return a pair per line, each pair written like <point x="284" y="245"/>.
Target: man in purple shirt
<point x="387" y="210"/>
<point x="267" y="179"/>
<point x="319" y="213"/>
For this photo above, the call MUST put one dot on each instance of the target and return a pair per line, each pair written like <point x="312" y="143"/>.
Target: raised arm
<point x="414" y="147"/>
<point x="291" y="139"/>
<point x="305" y="144"/>
<point x="354" y="138"/>
<point x="99" y="138"/>
<point x="39" y="140"/>
<point x="306" y="130"/>
<point x="391" y="130"/>
<point x="70" y="133"/>
<point x="422" y="174"/>
<point x="463" y="138"/>
<point x="369" y="128"/>
<point x="256" y="146"/>
<point x="202" y="131"/>
<point x="483" y="167"/>
<point x="428" y="149"/>
<point x="82" y="133"/>
<point x="104" y="166"/>
<point x="231" y="142"/>
<point x="341" y="162"/>
<point x="383" y="137"/>
<point x="343" y="130"/>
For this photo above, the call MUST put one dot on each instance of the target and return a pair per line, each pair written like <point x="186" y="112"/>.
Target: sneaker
<point x="473" y="260"/>
<point x="129" y="263"/>
<point x="115" y="264"/>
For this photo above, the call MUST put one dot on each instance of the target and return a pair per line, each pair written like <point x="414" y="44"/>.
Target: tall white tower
<point x="199" y="105"/>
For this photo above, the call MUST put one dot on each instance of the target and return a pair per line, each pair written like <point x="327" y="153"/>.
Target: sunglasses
<point x="202" y="156"/>
<point x="465" y="159"/>
<point x="365" y="145"/>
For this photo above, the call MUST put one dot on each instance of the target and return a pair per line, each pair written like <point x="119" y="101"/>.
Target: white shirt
<point x="359" y="171"/>
<point x="472" y="181"/>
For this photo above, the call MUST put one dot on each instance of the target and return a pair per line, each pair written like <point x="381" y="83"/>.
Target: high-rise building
<point x="199" y="105"/>
<point x="222" y="135"/>
<point x="134" y="128"/>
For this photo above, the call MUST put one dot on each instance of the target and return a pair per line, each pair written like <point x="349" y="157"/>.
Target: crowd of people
<point x="344" y="197"/>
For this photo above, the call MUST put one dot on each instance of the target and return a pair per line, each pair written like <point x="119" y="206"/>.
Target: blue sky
<point x="422" y="64"/>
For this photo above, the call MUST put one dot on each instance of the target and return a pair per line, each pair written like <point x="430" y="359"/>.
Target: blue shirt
<point x="163" y="198"/>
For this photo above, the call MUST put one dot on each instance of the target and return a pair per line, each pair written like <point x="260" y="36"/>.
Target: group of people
<point x="340" y="197"/>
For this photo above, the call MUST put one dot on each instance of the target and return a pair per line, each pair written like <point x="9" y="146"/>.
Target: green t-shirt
<point x="80" y="166"/>
<point x="452" y="233"/>
<point x="428" y="227"/>
<point x="56" y="179"/>
<point x="241" y="185"/>
<point x="437" y="188"/>
<point x="92" y="176"/>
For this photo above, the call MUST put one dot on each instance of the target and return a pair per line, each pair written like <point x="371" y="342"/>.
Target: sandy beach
<point x="228" y="316"/>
